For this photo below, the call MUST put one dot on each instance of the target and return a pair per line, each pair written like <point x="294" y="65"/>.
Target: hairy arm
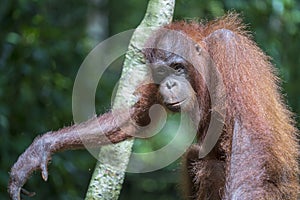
<point x="111" y="127"/>
<point x="263" y="160"/>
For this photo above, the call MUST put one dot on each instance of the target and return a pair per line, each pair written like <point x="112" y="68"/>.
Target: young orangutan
<point x="256" y="154"/>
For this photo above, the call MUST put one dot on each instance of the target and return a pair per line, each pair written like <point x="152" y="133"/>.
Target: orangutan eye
<point x="161" y="70"/>
<point x="179" y="68"/>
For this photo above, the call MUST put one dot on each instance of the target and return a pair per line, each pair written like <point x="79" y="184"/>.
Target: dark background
<point x="42" y="45"/>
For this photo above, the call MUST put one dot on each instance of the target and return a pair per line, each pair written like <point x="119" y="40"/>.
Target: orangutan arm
<point x="111" y="127"/>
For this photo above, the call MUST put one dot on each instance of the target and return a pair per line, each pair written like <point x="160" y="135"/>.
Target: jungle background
<point x="42" y="45"/>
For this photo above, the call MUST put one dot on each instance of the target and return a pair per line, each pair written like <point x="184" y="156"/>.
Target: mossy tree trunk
<point x="106" y="182"/>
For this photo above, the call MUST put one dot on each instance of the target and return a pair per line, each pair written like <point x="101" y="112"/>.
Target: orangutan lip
<point x="176" y="104"/>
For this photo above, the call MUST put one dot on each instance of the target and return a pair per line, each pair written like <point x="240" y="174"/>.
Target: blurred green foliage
<point x="43" y="43"/>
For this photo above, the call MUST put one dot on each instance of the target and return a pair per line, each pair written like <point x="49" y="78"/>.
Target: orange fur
<point x="267" y="168"/>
